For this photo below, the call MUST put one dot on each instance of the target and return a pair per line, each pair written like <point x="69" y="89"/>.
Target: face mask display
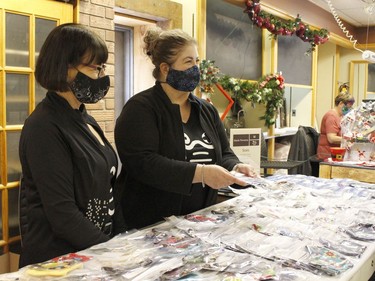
<point x="88" y="90"/>
<point x="186" y="80"/>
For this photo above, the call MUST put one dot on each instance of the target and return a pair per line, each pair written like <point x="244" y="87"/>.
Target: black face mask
<point x="88" y="90"/>
<point x="184" y="80"/>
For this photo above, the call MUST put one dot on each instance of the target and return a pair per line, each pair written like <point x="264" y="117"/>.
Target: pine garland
<point x="268" y="90"/>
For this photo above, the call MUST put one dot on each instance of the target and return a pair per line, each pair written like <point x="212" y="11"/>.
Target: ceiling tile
<point x="351" y="11"/>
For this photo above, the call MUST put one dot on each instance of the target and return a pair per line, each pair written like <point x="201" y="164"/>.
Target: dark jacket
<point x="150" y="142"/>
<point x="303" y="148"/>
<point x="67" y="181"/>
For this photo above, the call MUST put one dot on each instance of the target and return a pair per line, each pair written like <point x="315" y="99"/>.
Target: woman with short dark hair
<point x="68" y="165"/>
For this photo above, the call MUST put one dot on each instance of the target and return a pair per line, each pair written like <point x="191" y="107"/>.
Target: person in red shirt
<point x="330" y="128"/>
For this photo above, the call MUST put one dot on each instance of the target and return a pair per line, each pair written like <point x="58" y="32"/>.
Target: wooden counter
<point x="331" y="170"/>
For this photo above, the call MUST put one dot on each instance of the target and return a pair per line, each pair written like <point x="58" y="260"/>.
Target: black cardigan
<point x="150" y="142"/>
<point x="68" y="177"/>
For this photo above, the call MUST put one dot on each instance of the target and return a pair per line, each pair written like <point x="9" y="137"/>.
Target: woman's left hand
<point x="247" y="170"/>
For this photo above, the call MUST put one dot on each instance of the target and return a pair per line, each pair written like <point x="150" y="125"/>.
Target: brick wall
<point x="99" y="14"/>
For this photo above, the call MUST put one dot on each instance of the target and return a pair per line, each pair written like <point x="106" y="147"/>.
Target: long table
<point x="271" y="230"/>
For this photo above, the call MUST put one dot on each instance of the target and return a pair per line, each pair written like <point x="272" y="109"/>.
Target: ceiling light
<point x="369" y="9"/>
<point x="369" y="56"/>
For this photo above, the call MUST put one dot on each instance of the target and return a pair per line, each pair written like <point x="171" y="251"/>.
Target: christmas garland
<point x="209" y="76"/>
<point x="277" y="27"/>
<point x="268" y="90"/>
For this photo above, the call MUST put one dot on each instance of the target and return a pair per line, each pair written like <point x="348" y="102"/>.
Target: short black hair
<point x="67" y="46"/>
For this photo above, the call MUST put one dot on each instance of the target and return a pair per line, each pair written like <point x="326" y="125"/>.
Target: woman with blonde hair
<point x="172" y="144"/>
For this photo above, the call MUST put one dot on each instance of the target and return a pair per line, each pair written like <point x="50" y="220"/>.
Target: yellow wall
<point x="346" y="56"/>
<point x="333" y="70"/>
<point x="326" y="77"/>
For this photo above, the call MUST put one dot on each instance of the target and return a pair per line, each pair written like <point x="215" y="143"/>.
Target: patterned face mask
<point x="88" y="90"/>
<point x="186" y="80"/>
<point x="345" y="110"/>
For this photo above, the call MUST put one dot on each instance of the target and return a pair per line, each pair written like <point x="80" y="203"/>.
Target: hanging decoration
<point x="344" y="87"/>
<point x="277" y="26"/>
<point x="209" y="77"/>
<point x="268" y="90"/>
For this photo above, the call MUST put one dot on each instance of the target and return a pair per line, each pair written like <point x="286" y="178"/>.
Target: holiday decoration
<point x="277" y="27"/>
<point x="209" y="77"/>
<point x="268" y="90"/>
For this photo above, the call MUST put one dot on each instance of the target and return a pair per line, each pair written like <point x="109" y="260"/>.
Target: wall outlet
<point x="293" y="112"/>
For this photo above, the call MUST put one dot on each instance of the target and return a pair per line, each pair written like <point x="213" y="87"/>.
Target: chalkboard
<point x="232" y="41"/>
<point x="295" y="65"/>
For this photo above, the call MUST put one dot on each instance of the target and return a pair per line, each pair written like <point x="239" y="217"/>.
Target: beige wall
<point x="143" y="67"/>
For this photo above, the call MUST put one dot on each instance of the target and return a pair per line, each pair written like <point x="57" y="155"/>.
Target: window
<point x="232" y="42"/>
<point x="295" y="65"/>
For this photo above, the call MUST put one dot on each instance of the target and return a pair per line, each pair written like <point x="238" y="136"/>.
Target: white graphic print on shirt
<point x="199" y="150"/>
